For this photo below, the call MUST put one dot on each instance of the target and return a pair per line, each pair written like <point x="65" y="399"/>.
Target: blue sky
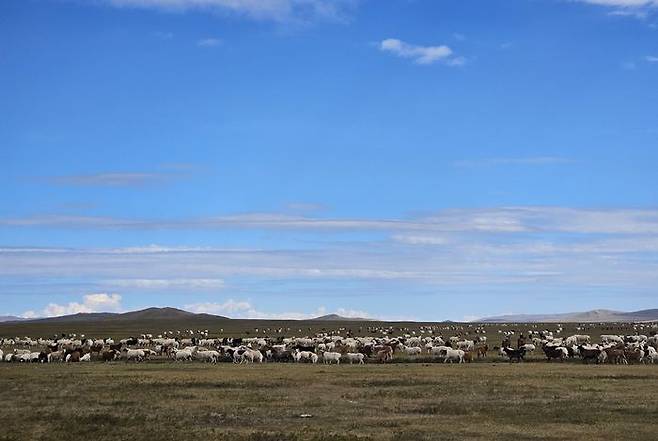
<point x="402" y="159"/>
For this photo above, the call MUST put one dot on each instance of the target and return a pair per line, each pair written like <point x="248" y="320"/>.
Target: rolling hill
<point x="10" y="318"/>
<point x="594" y="316"/>
<point x="338" y="318"/>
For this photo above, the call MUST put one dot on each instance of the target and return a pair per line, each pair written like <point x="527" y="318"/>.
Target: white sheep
<point x="353" y="357"/>
<point x="454" y="355"/>
<point x="331" y="357"/>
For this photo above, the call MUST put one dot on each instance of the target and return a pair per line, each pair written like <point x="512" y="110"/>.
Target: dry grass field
<point x="484" y="401"/>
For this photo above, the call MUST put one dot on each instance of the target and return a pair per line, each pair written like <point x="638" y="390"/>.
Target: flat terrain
<point x="485" y="401"/>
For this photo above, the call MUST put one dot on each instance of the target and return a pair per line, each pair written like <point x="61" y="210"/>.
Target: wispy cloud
<point x="169" y="284"/>
<point x="267" y="10"/>
<point x="491" y="220"/>
<point x="639" y="9"/>
<point x="492" y="162"/>
<point x="209" y="42"/>
<point x="110" y="179"/>
<point x="651" y="58"/>
<point x="622" y="3"/>
<point x="421" y="54"/>
<point x="162" y="174"/>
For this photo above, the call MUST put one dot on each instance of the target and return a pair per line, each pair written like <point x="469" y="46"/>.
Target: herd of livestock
<point x="333" y="348"/>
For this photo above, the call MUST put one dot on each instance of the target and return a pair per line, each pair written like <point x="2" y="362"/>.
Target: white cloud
<point x="651" y="59"/>
<point x="622" y="3"/>
<point x="246" y="310"/>
<point x="421" y="54"/>
<point x="229" y="307"/>
<point x="273" y="10"/>
<point x="91" y="303"/>
<point x="209" y="42"/>
<point x="168" y="284"/>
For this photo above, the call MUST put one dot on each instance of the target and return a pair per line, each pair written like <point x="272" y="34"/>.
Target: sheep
<point x="528" y="347"/>
<point x="577" y="340"/>
<point x="454" y="355"/>
<point x="305" y="355"/>
<point x="73" y="357"/>
<point x="182" y="355"/>
<point x="207" y="356"/>
<point x="110" y="355"/>
<point x="252" y="356"/>
<point x="466" y="345"/>
<point x="134" y="354"/>
<point x="86" y="357"/>
<point x="409" y="350"/>
<point x="439" y="350"/>
<point x="607" y="338"/>
<point x="56" y="356"/>
<point x="355" y="357"/>
<point x="331" y="357"/>
<point x="384" y="354"/>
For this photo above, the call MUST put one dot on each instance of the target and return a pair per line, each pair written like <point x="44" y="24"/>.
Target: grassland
<point x="166" y="401"/>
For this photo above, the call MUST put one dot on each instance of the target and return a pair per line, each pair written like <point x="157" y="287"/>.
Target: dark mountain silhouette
<point x="339" y="318"/>
<point x="149" y="314"/>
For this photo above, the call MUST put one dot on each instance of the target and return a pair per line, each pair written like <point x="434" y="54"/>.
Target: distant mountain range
<point x="594" y="316"/>
<point x="151" y="314"/>
<point x="338" y="318"/>
<point x="174" y="314"/>
<point x="10" y="318"/>
<point x="144" y="314"/>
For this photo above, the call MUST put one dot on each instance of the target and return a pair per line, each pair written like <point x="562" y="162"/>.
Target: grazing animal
<point x="615" y="355"/>
<point x="384" y="354"/>
<point x="353" y="357"/>
<point x="305" y="356"/>
<point x="110" y="355"/>
<point x="635" y="355"/>
<point x="466" y="345"/>
<point x="137" y="355"/>
<point x="454" y="355"/>
<point x="73" y="357"/>
<point x="555" y="352"/>
<point x="482" y="351"/>
<point x="331" y="357"/>
<point x="515" y="354"/>
<point x="207" y="356"/>
<point x="411" y="350"/>
<point x="254" y="356"/>
<point x="589" y="354"/>
<point x="439" y="350"/>
<point x="529" y="347"/>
